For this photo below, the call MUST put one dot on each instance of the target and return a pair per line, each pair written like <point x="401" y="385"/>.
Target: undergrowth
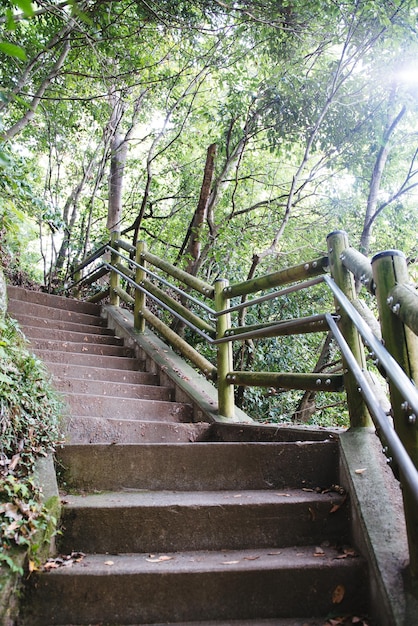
<point x="29" y="429"/>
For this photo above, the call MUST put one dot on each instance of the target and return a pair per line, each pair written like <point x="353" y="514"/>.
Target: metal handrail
<point x="162" y="304"/>
<point x="270" y="296"/>
<point x="165" y="282"/>
<point x="404" y="462"/>
<point x="392" y="368"/>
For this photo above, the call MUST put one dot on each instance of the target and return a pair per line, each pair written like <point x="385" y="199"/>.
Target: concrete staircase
<point x="177" y="522"/>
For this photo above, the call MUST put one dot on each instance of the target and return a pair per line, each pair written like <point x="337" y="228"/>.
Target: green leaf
<point x="4" y="160"/>
<point x="12" y="51"/>
<point x="5" y="379"/>
<point x="10" y="22"/>
<point x="25" y="6"/>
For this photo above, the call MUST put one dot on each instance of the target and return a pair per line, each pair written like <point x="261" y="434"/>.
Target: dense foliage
<point x="29" y="428"/>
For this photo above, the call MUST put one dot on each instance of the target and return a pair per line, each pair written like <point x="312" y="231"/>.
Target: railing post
<point x="140" y="297"/>
<point x="114" y="279"/>
<point x="226" y="402"/>
<point x="390" y="269"/>
<point x="337" y="242"/>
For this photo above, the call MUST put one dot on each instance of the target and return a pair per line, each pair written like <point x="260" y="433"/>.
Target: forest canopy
<point x="229" y="135"/>
<point x="109" y="110"/>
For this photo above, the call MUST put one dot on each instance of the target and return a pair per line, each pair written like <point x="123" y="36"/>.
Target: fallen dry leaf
<point x="336" y="507"/>
<point x="251" y="558"/>
<point x="338" y="594"/>
<point x="109" y="563"/>
<point x="319" y="552"/>
<point x="229" y="562"/>
<point x="347" y="552"/>
<point x="159" y="559"/>
<point x="361" y="470"/>
<point x="284" y="495"/>
<point x="65" y="560"/>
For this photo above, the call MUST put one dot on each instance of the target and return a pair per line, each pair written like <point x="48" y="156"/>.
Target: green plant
<point x="29" y="429"/>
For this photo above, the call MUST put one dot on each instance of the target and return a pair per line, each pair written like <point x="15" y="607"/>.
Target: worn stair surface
<point x="162" y="526"/>
<point x="109" y="398"/>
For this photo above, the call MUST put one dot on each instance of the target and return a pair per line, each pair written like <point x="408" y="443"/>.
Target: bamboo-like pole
<point x="140" y="297"/>
<point x="281" y="328"/>
<point x="92" y="278"/>
<point x="195" y="283"/>
<point x="288" y="380"/>
<point x="125" y="270"/>
<point x="205" y="366"/>
<point x="128" y="247"/>
<point x="179" y="308"/>
<point x="360" y="266"/>
<point x="100" y="295"/>
<point x="337" y="245"/>
<point x="404" y="302"/>
<point x="114" y="280"/>
<point x="125" y="296"/>
<point x="389" y="270"/>
<point x="226" y="404"/>
<point x="92" y="257"/>
<point x="282" y="277"/>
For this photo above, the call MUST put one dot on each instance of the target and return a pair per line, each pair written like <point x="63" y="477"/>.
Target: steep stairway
<point x="178" y="526"/>
<point x="109" y="398"/>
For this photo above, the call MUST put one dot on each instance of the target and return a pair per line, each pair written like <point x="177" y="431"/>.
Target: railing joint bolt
<point x="389" y="300"/>
<point x="318" y="381"/>
<point x="412" y="418"/>
<point x="405" y="406"/>
<point x="314" y="264"/>
<point x="328" y="381"/>
<point x="306" y="266"/>
<point x="396" y="308"/>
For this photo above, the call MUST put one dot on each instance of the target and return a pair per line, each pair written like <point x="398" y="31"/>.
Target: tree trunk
<point x="194" y="233"/>
<point x="307" y="407"/>
<point x="372" y="209"/>
<point x="119" y="153"/>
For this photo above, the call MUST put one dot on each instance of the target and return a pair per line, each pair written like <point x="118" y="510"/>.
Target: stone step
<point x="87" y="430"/>
<point x="100" y="374"/>
<point x="20" y="307"/>
<point x="173" y="587"/>
<point x="128" y="408"/>
<point x="51" y="300"/>
<point x="80" y="347"/>
<point x="90" y="360"/>
<point x="257" y="622"/>
<point x="206" y="465"/>
<point x="27" y="321"/>
<point x="52" y="334"/>
<point x="152" y="521"/>
<point x="116" y="389"/>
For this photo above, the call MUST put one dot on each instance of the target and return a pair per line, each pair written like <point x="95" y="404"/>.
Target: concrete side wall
<point x="378" y="526"/>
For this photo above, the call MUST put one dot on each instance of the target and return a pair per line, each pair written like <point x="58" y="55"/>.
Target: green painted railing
<point x="162" y="295"/>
